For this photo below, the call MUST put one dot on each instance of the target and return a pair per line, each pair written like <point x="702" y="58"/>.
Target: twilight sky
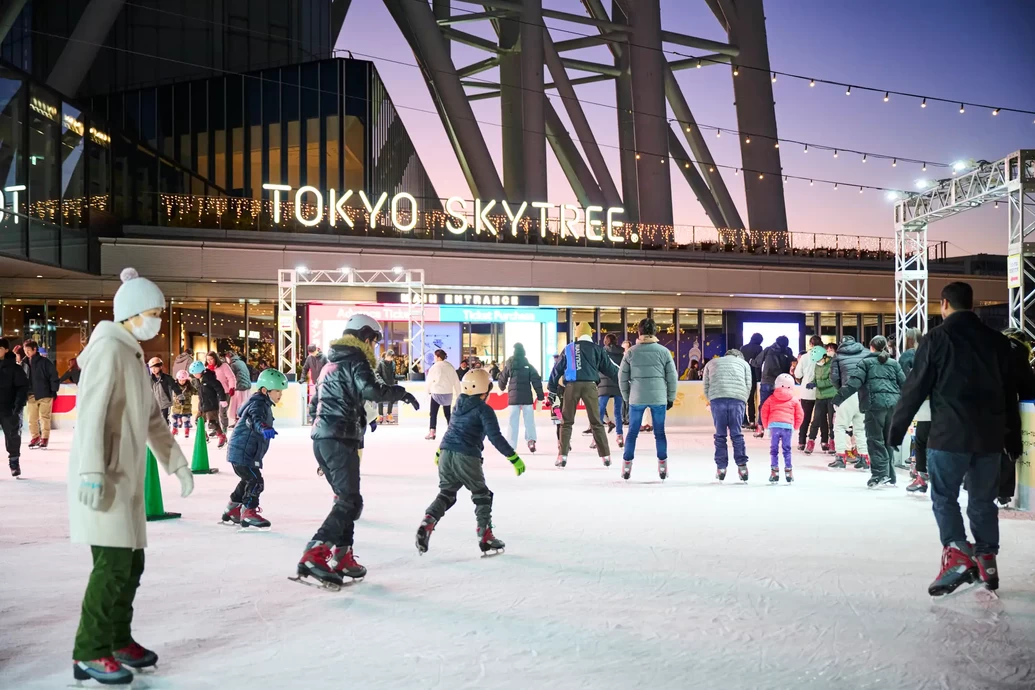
<point x="948" y="48"/>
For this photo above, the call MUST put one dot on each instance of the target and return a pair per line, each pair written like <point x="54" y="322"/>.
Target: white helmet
<point x="476" y="382"/>
<point x="364" y="328"/>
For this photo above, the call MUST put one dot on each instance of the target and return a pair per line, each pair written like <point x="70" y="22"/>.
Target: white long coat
<point x="117" y="418"/>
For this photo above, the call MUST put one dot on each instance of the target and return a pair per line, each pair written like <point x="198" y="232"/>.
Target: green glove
<point x="518" y="463"/>
<point x="437" y="453"/>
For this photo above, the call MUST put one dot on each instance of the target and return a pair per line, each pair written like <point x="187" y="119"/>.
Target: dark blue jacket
<point x="472" y="420"/>
<point x="247" y="445"/>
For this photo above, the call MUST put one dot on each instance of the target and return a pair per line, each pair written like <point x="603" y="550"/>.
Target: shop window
<point x="665" y="319"/>
<point x="611" y="322"/>
<point x="12" y="152"/>
<point x="828" y="327"/>
<point x="869" y="328"/>
<point x="355" y="150"/>
<point x="849" y="326"/>
<point x="581" y="316"/>
<point x="228" y="327"/>
<point x="98" y="151"/>
<point x="632" y="319"/>
<point x="689" y="342"/>
<point x="71" y="329"/>
<point x="72" y="167"/>
<point x="262" y="336"/>
<point x="188" y="322"/>
<point x="43" y="193"/>
<point x="23" y="320"/>
<point x="714" y="334"/>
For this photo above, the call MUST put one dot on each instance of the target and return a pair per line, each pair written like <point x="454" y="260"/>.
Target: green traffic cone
<point x="153" y="504"/>
<point x="199" y="461"/>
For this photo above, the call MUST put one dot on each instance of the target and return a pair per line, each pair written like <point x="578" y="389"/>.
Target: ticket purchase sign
<point x="311" y="207"/>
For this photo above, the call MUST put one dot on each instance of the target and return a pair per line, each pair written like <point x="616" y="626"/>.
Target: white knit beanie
<point x="136" y="295"/>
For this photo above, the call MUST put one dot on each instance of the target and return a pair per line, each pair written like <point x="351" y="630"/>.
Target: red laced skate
<point x="988" y="570"/>
<point x="958" y="568"/>
<point x="35" y="442"/>
<point x="105" y="670"/>
<point x="488" y="543"/>
<point x="250" y="518"/>
<point x="222" y="440"/>
<point x="343" y="561"/>
<point x="186" y="432"/>
<point x="136" y="656"/>
<point x="427" y="526"/>
<point x="176" y="431"/>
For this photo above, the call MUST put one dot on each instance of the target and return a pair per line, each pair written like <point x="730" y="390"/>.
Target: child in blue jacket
<point x="248" y="445"/>
<point x="459" y="461"/>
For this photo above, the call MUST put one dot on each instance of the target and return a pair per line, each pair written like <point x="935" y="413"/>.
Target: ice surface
<point x="605" y="584"/>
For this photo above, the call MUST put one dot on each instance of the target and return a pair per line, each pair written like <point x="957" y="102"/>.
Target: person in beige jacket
<point x="118" y="418"/>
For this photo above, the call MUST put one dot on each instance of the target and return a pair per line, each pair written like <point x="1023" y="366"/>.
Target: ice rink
<point x="604" y="584"/>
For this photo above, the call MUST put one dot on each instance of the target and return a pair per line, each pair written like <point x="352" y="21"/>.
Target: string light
<point x="996" y="111"/>
<point x="688" y="129"/>
<point x="637" y="156"/>
<point x="894" y="164"/>
<point x="810" y="183"/>
<point x="848" y="91"/>
<point x="736" y="171"/>
<point x="835" y="186"/>
<point x="961" y="109"/>
<point x="760" y="176"/>
<point x="806" y="148"/>
<point x="996" y="205"/>
<point x="747" y="140"/>
<point x="923" y="103"/>
<point x="736" y="71"/>
<point x="774" y="77"/>
<point x="924" y="169"/>
<point x="812" y="82"/>
<point x="860" y="190"/>
<point x="776" y="146"/>
<point x="835" y="153"/>
<point x="718" y="132"/>
<point x="886" y="95"/>
<point x="864" y="158"/>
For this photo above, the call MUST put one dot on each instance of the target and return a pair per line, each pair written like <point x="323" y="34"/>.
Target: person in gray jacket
<point x="728" y="382"/>
<point x="849" y="354"/>
<point x="648" y="380"/>
<point x="608" y="388"/>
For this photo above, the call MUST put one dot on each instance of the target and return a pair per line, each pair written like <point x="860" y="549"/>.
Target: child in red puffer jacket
<point x="781" y="415"/>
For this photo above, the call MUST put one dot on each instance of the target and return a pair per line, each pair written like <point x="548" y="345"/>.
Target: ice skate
<point x="663" y="468"/>
<point x="838" y="463"/>
<point x="627" y="468"/>
<point x="863" y="463"/>
<point x="232" y="514"/>
<point x="186" y="432"/>
<point x="344" y="563"/>
<point x="810" y="448"/>
<point x="621" y="441"/>
<point x="222" y="440"/>
<point x="136" y="657"/>
<point x="958" y="568"/>
<point x="430" y="436"/>
<point x="489" y="544"/>
<point x="720" y="473"/>
<point x="788" y="475"/>
<point x="35" y="442"/>
<point x="176" y="431"/>
<point x="606" y="460"/>
<point x="801" y="447"/>
<point x="252" y="521"/>
<point x="427" y="526"/>
<point x="646" y="428"/>
<point x="588" y="432"/>
<point x="106" y="671"/>
<point x="561" y="461"/>
<point x="912" y="470"/>
<point x="314" y="564"/>
<point x="592" y="445"/>
<point x="774" y="475"/>
<point x="16" y="467"/>
<point x="531" y="446"/>
<point x="877" y="482"/>
<point x="759" y="433"/>
<point x="44" y="442"/>
<point x="380" y="420"/>
<point x="742" y="471"/>
<point x="988" y="570"/>
<point x="919" y="485"/>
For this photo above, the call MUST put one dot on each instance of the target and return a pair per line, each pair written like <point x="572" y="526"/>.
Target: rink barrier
<point x="1025" y="470"/>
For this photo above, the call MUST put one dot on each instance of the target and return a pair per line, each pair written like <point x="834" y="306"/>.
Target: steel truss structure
<point x="289" y="280"/>
<point x="524" y="52"/>
<point x="1012" y="180"/>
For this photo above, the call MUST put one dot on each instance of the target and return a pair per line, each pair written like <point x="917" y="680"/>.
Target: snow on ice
<point x="604" y="584"/>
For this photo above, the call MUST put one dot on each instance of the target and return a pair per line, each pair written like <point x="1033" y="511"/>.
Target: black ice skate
<point x="606" y="460"/>
<point x="252" y="521"/>
<point x="15" y="465"/>
<point x="136" y="657"/>
<point x="662" y="468"/>
<point x="627" y="468"/>
<point x="489" y="544"/>
<point x="621" y="441"/>
<point x="561" y="461"/>
<point x="788" y="474"/>
<point x="774" y="475"/>
<point x="878" y="482"/>
<point x="742" y="470"/>
<point x="427" y="526"/>
<point x="232" y="514"/>
<point x="838" y="463"/>
<point x="315" y="564"/>
<point x="344" y="563"/>
<point x="531" y="446"/>
<point x="720" y="473"/>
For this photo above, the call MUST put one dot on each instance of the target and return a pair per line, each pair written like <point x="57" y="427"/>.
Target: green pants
<point x="586" y="391"/>
<point x="457" y="470"/>
<point x="104" y="624"/>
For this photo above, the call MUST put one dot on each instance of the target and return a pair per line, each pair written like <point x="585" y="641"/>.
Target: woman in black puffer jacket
<point x="520" y="379"/>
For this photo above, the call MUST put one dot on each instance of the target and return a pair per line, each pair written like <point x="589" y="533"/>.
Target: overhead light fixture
<point x="776" y="145"/>
<point x="718" y="132"/>
<point x="810" y="183"/>
<point x="344" y="269"/>
<point x="835" y="153"/>
<point x="301" y="269"/>
<point x="760" y="176"/>
<point x="688" y="128"/>
<point x="637" y="156"/>
<point x="806" y="148"/>
<point x="860" y="190"/>
<point x="736" y="171"/>
<point x="922" y="184"/>
<point x="747" y="140"/>
<point x="397" y="270"/>
<point x="959" y="166"/>
<point x="686" y="165"/>
<point x="864" y="158"/>
<point x="995" y="205"/>
<point x="891" y="196"/>
<point x="698" y="64"/>
<point x="835" y="186"/>
<point x="924" y="168"/>
<point x="736" y="71"/>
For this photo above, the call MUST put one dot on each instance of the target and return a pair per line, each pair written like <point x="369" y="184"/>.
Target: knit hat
<point x="135" y="296"/>
<point x="583" y="329"/>
<point x="785" y="381"/>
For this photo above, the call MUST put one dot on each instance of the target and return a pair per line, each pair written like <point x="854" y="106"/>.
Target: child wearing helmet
<point x="182" y="410"/>
<point x="162" y="386"/>
<point x="459" y="461"/>
<point x="339" y="415"/>
<point x="781" y="414"/>
<point x="210" y="394"/>
<point x="248" y="445"/>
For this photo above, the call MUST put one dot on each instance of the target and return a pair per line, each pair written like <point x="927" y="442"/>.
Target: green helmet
<point x="272" y="380"/>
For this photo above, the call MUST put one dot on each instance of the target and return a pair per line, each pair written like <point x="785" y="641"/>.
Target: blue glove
<point x="373" y="425"/>
<point x="269" y="434"/>
<point x="809" y="386"/>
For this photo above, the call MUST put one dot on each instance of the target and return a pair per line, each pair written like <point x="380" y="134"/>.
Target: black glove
<point x="809" y="386"/>
<point x="1014" y="449"/>
<point x="373" y="425"/>
<point x="670" y="404"/>
<point x="410" y="400"/>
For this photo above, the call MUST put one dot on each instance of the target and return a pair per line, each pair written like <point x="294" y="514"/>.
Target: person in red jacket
<point x="781" y="414"/>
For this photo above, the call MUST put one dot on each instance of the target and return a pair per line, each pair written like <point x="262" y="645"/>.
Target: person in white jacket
<point x="443" y="386"/>
<point x="805" y="372"/>
<point x="118" y="419"/>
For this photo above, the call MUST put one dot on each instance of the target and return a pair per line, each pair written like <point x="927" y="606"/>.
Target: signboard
<point x="1013" y="270"/>
<point x="496" y="315"/>
<point x="474" y="299"/>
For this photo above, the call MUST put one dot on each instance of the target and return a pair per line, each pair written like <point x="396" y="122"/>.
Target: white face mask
<point x="151" y="326"/>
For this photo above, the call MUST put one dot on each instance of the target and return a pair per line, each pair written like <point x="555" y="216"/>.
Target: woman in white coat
<point x="118" y="418"/>
<point x="444" y="387"/>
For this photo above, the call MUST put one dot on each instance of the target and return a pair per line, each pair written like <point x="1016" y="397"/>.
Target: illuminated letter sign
<point x="373" y="210"/>
<point x="515" y="218"/>
<point x="318" y="218"/>
<point x="460" y="215"/>
<point x="277" y="189"/>
<point x="337" y="208"/>
<point x="395" y="212"/>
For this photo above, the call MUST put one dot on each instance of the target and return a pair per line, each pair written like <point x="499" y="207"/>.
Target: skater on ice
<point x="727" y="384"/>
<point x="608" y="389"/>
<point x="1020" y="352"/>
<point x="877" y="383"/>
<point x="14" y="391"/>
<point x="922" y="423"/>
<point x="967" y="371"/>
<point x="43" y="389"/>
<point x="772" y="362"/>
<point x="459" y="461"/>
<point x="781" y="415"/>
<point x="339" y="415"/>
<point x="118" y="421"/>
<point x="211" y="397"/>
<point x="750" y="351"/>
<point x="225" y="375"/>
<point x="581" y="363"/>
<point x="648" y="380"/>
<point x="184" y="392"/>
<point x="387" y="372"/>
<point x="805" y="373"/>
<point x="847" y="414"/>
<point x="248" y="445"/>
<point x="162" y="386"/>
<point x="443" y="387"/>
<point x="823" y="414"/>
<point x="524" y="387"/>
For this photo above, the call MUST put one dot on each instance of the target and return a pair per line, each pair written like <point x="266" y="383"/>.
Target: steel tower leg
<point x="1021" y="223"/>
<point x="575" y="169"/>
<point x="910" y="280"/>
<point x="533" y="100"/>
<point x="626" y="125"/>
<point x="511" y="111"/>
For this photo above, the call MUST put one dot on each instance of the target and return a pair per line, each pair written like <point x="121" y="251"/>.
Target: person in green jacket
<point x="878" y="380"/>
<point x="823" y="414"/>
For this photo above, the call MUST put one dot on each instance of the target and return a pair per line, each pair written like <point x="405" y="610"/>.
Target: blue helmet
<point x="196" y="368"/>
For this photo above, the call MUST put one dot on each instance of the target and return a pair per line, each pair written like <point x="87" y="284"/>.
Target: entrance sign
<point x="594" y="223"/>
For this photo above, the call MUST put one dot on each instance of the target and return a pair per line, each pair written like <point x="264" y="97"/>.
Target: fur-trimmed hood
<point x="341" y="349"/>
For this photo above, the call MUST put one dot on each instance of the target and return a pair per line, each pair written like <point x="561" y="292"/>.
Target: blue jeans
<point x="766" y="389"/>
<point x="728" y="414"/>
<point x="657" y="416"/>
<point x="780" y="437"/>
<point x="617" y="408"/>
<point x="516" y="412"/>
<point x="946" y="472"/>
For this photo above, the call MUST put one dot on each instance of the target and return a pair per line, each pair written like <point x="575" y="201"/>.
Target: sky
<point x="943" y="48"/>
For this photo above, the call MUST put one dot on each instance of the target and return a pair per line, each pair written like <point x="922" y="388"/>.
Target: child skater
<point x="459" y="461"/>
<point x="781" y="415"/>
<point x="184" y="391"/>
<point x="339" y="424"/>
<point x="210" y="395"/>
<point x="248" y="445"/>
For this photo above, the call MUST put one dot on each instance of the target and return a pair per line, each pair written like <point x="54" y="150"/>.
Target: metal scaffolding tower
<point x="289" y="279"/>
<point x="1011" y="179"/>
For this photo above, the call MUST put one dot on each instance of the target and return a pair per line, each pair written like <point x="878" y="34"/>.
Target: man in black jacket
<point x="387" y="373"/>
<point x="14" y="391"/>
<point x="43" y="388"/>
<point x="750" y="351"/>
<point x="965" y="369"/>
<point x="339" y="425"/>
